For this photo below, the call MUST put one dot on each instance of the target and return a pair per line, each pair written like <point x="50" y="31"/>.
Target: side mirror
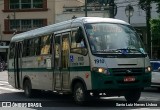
<point x="84" y="51"/>
<point x="79" y="36"/>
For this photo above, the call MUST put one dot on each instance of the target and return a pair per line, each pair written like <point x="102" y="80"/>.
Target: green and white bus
<point x="86" y="57"/>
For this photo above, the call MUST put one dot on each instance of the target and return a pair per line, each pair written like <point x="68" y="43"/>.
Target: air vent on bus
<point x="127" y="71"/>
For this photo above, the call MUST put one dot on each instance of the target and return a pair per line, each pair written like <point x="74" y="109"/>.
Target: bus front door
<point x="57" y="64"/>
<point x="65" y="61"/>
<point x="61" y="71"/>
<point x="18" y="65"/>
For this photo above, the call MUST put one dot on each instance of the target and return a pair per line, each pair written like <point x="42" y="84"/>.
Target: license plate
<point x="129" y="79"/>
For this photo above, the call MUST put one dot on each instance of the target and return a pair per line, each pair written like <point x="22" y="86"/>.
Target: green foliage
<point x="155" y="27"/>
<point x="143" y="4"/>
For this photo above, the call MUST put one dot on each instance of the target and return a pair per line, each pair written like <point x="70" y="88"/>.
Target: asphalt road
<point x="150" y="99"/>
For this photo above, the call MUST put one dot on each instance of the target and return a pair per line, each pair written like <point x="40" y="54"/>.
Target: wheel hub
<point x="79" y="94"/>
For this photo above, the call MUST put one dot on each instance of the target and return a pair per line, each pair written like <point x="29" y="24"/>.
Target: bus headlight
<point x="101" y="70"/>
<point x="148" y="69"/>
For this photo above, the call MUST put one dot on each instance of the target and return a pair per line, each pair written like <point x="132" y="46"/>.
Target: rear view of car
<point x="155" y="73"/>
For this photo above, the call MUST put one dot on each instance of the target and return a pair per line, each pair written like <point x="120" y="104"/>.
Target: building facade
<point x="17" y="16"/>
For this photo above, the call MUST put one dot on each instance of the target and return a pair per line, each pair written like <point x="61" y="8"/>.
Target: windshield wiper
<point x="108" y="51"/>
<point x="128" y="50"/>
<point x="123" y="50"/>
<point x="137" y="51"/>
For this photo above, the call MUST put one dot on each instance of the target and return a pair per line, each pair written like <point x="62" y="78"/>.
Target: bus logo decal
<point x="71" y="58"/>
<point x="128" y="71"/>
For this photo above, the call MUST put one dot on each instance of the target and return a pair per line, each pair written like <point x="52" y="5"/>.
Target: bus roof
<point x="62" y="25"/>
<point x="99" y="19"/>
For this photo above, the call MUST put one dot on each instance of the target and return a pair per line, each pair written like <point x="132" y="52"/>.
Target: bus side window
<point x="65" y="50"/>
<point x="45" y="45"/>
<point x="78" y="43"/>
<point x="11" y="54"/>
<point x="57" y="51"/>
<point x="37" y="46"/>
<point x="31" y="47"/>
<point x="25" y="48"/>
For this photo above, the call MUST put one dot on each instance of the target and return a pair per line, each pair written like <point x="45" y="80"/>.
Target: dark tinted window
<point x="11" y="54"/>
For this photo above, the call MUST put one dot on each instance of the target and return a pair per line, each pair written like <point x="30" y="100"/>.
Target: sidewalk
<point x="4" y="76"/>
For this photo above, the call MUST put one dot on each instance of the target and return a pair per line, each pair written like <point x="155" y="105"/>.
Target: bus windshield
<point x="112" y="38"/>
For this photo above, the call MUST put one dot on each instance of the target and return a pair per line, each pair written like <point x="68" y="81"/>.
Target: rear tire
<point x="28" y="89"/>
<point x="133" y="96"/>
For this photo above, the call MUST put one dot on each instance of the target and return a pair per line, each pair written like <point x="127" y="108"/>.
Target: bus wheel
<point x="28" y="88"/>
<point x="79" y="94"/>
<point x="133" y="96"/>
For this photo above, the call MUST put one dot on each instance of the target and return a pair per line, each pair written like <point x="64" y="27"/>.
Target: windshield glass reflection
<point x="112" y="38"/>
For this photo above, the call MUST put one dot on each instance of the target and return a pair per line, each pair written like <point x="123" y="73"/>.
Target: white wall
<point x="68" y="16"/>
<point x="62" y="16"/>
<point x="139" y="15"/>
<point x="59" y="4"/>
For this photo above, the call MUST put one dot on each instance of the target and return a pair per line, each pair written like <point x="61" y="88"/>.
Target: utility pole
<point x="111" y="9"/>
<point x="146" y="6"/>
<point x="13" y="21"/>
<point x="85" y="8"/>
<point x="14" y="18"/>
<point x="0" y="34"/>
<point x="148" y="17"/>
<point x="14" y="15"/>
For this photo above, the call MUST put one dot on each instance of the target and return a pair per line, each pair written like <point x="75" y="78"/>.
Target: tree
<point x="155" y="27"/>
<point x="146" y="5"/>
<point x="143" y="4"/>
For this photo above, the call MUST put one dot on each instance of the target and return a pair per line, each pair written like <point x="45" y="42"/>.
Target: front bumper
<point x="108" y="82"/>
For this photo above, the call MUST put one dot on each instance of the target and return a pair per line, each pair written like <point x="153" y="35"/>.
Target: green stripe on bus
<point x="33" y="70"/>
<point x="79" y="68"/>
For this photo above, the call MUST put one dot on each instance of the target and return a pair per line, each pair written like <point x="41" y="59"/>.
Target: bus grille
<point x="127" y="71"/>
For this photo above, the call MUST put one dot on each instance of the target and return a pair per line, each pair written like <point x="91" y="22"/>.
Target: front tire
<point x="133" y="96"/>
<point x="80" y="94"/>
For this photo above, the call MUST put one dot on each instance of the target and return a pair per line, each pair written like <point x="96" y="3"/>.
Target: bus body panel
<point x="11" y="77"/>
<point x="35" y="68"/>
<point x="117" y="70"/>
<point x="80" y="67"/>
<point x="99" y="72"/>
